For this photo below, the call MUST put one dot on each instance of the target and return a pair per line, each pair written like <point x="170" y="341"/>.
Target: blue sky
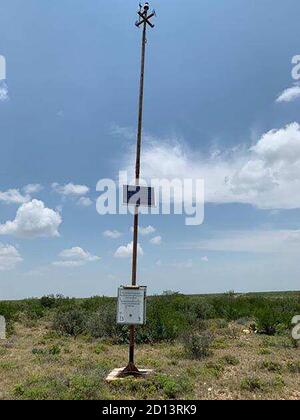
<point x="215" y="71"/>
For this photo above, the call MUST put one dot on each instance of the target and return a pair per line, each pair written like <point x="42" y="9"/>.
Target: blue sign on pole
<point x="136" y="195"/>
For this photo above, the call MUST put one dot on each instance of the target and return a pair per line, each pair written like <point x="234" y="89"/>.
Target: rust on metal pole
<point x="138" y="154"/>
<point x="137" y="178"/>
<point x="144" y="20"/>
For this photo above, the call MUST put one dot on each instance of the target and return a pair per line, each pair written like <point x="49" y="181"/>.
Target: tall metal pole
<point x="138" y="151"/>
<point x="144" y="21"/>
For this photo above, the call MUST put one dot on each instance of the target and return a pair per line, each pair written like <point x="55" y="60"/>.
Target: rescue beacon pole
<point x="144" y="21"/>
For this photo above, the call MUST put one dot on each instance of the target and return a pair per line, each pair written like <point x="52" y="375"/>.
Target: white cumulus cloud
<point x="126" y="251"/>
<point x="33" y="220"/>
<point x="112" y="234"/>
<point x="254" y="241"/>
<point x="3" y="91"/>
<point x="70" y="189"/>
<point x="9" y="257"/>
<point x="265" y="175"/>
<point x="147" y="230"/>
<point x="84" y="202"/>
<point x="67" y="264"/>
<point x="157" y="240"/>
<point x="13" y="196"/>
<point x="289" y="95"/>
<point x="281" y="145"/>
<point x="75" y="257"/>
<point x="32" y="189"/>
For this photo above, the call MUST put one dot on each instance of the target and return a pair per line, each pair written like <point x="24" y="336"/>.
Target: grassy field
<point x="214" y="347"/>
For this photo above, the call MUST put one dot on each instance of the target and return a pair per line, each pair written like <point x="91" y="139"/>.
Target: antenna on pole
<point x="143" y="15"/>
<point x="137" y="23"/>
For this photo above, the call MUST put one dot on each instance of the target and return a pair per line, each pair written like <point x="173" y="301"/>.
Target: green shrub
<point x="33" y="309"/>
<point x="168" y="316"/>
<point x="41" y="388"/>
<point x="294" y="367"/>
<point x="71" y="323"/>
<point x="166" y="319"/>
<point x="264" y="352"/>
<point x="38" y="352"/>
<point x="203" y="310"/>
<point x="267" y="321"/>
<point x="102" y="324"/>
<point x="231" y="360"/>
<point x="276" y="383"/>
<point x="232" y="332"/>
<point x="243" y="321"/>
<point x="100" y="348"/>
<point x="252" y="384"/>
<point x="271" y="366"/>
<point x="217" y="324"/>
<point x="48" y="301"/>
<point x="214" y="369"/>
<point x="54" y="350"/>
<point x="173" y="388"/>
<point x="198" y="344"/>
<point x="85" y="387"/>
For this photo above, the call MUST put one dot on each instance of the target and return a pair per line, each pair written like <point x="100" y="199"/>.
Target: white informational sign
<point x="2" y="328"/>
<point x="131" y="306"/>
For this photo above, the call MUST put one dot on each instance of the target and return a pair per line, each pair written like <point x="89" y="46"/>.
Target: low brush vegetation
<point x="204" y="347"/>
